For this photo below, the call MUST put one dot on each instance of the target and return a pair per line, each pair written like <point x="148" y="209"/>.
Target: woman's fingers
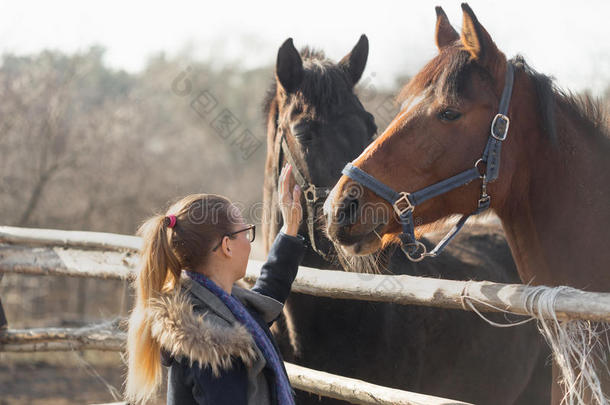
<point x="281" y="187"/>
<point x="296" y="193"/>
<point x="285" y="191"/>
<point x="296" y="203"/>
<point x="289" y="200"/>
<point x="289" y="191"/>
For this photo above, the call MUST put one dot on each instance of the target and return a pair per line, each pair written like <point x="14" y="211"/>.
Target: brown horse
<point x="552" y="190"/>
<point x="448" y="353"/>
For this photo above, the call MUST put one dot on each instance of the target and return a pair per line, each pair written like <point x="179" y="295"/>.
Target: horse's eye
<point x="449" y="115"/>
<point x="295" y="112"/>
<point x="303" y="136"/>
<point x="303" y="131"/>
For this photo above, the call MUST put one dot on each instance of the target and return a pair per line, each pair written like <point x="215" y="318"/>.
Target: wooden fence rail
<point x="109" y="336"/>
<point x="109" y="256"/>
<point x="106" y="336"/>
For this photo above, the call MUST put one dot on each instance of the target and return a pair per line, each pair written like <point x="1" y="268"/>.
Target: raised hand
<point x="290" y="201"/>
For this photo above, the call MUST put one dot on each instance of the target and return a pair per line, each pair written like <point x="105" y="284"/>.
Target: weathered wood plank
<point x="78" y="239"/>
<point x="406" y="290"/>
<point x="105" y="337"/>
<point x="356" y="391"/>
<point x="60" y="261"/>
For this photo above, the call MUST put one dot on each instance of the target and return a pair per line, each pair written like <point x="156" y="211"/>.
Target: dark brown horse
<point x="448" y="353"/>
<point x="552" y="192"/>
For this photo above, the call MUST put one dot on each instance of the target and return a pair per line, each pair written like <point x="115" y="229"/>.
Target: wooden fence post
<point x="3" y="321"/>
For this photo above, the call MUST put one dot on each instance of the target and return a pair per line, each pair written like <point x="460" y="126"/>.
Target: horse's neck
<point x="558" y="229"/>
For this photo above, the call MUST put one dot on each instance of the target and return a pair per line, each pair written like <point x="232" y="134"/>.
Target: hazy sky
<point x="569" y="40"/>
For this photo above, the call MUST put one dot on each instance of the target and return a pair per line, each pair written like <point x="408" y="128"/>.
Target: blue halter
<point x="404" y="203"/>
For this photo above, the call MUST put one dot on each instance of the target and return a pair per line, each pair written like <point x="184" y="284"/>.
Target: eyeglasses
<point x="251" y="229"/>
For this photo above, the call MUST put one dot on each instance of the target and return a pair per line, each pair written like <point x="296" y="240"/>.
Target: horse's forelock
<point x="445" y="76"/>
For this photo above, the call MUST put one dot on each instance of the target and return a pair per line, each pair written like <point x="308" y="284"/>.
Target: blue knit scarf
<point x="285" y="394"/>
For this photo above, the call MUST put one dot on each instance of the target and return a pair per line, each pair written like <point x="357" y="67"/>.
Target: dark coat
<point x="212" y="358"/>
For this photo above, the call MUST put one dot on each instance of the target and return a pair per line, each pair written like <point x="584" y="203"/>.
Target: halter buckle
<point x="311" y="193"/>
<point x="500" y="123"/>
<point x="484" y="201"/>
<point x="404" y="199"/>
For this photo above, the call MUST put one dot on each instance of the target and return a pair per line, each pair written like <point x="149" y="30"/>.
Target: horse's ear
<point x="355" y="61"/>
<point x="476" y="39"/>
<point x="445" y="33"/>
<point x="289" y="66"/>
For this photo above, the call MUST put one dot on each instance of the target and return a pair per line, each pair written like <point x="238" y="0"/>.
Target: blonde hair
<point x="201" y="220"/>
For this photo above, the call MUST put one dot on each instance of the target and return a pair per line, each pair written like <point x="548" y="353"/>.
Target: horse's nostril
<point x="348" y="211"/>
<point x="353" y="209"/>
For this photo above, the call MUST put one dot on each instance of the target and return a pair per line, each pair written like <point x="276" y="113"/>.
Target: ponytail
<point x="159" y="273"/>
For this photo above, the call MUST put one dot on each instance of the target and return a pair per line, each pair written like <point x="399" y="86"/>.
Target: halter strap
<point x="300" y="179"/>
<point x="404" y="203"/>
<point x="311" y="193"/>
<point x="409" y="201"/>
<point x="499" y="128"/>
<point x="362" y="177"/>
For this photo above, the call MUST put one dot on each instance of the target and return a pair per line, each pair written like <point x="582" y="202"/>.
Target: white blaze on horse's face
<point x="327" y="207"/>
<point x="412" y="102"/>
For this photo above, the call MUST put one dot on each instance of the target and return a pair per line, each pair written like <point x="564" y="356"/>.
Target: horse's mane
<point x="268" y="100"/>
<point x="588" y="110"/>
<point x="551" y="98"/>
<point x="447" y="74"/>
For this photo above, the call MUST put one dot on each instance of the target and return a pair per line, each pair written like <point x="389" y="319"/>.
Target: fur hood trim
<point x="204" y="338"/>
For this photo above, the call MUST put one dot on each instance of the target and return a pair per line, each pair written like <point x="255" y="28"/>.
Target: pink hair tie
<point x="171" y="219"/>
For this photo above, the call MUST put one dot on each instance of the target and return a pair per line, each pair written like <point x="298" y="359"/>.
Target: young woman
<point x="189" y="316"/>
